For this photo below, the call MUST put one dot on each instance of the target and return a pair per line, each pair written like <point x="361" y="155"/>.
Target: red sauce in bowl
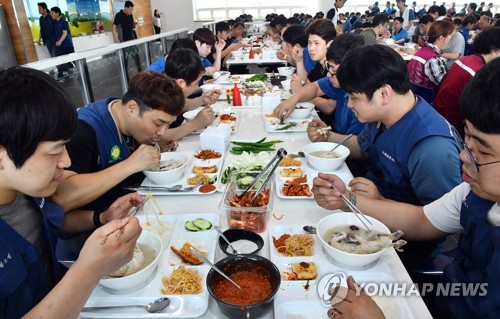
<point x="255" y="287"/>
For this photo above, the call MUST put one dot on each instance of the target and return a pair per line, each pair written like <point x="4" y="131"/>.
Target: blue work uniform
<point x="23" y="281"/>
<point x="158" y="65"/>
<point x="477" y="262"/>
<point x="345" y="122"/>
<point x="112" y="148"/>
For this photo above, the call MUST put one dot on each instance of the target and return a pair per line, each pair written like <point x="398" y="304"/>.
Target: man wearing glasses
<point x="472" y="208"/>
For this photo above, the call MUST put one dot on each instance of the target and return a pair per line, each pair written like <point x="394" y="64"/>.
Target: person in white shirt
<point x="333" y="13"/>
<point x="471" y="208"/>
<point x="408" y="16"/>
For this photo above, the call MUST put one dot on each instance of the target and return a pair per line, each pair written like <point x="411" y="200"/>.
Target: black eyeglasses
<point x="327" y="68"/>
<point x="463" y="146"/>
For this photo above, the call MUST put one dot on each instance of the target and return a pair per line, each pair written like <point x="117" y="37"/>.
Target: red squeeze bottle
<point x="250" y="56"/>
<point x="236" y="95"/>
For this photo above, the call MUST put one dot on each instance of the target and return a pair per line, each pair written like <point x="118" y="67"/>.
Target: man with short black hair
<point x="401" y="130"/>
<point x="399" y="34"/>
<point x="123" y="30"/>
<point x="379" y="28"/>
<point x="46" y="28"/>
<point x="333" y="13"/>
<point x="471" y="208"/>
<point x="114" y="143"/>
<point x="63" y="42"/>
<point x="37" y="119"/>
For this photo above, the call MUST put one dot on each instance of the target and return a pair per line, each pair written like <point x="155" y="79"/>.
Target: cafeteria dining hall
<point x="249" y="159"/>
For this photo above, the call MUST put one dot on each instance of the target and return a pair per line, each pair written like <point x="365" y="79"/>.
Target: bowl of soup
<point x="259" y="279"/>
<point x="337" y="233"/>
<point x="138" y="272"/>
<point x="169" y="170"/>
<point x="321" y="158"/>
<point x="302" y="110"/>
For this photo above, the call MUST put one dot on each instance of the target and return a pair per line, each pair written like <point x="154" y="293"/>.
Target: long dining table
<point x="285" y="212"/>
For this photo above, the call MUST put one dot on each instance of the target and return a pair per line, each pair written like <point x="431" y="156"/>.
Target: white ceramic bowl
<point x="221" y="76"/>
<point x="136" y="281"/>
<point x="207" y="87"/>
<point x="190" y="115"/>
<point x="342" y="258"/>
<point x="171" y="176"/>
<point x="286" y="85"/>
<point x="237" y="54"/>
<point x="286" y="70"/>
<point x="302" y="110"/>
<point x="325" y="164"/>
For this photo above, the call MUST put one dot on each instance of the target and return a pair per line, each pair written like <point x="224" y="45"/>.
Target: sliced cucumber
<point x="202" y="224"/>
<point x="189" y="225"/>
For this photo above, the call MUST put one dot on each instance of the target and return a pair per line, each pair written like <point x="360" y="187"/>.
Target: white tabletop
<point x="292" y="211"/>
<point x="258" y="60"/>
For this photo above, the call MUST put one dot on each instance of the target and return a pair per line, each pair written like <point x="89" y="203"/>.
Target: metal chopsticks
<point x="354" y="209"/>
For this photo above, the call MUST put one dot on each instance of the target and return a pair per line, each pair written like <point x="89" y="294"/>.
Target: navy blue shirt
<point x="47" y="29"/>
<point x="345" y="121"/>
<point x="59" y="27"/>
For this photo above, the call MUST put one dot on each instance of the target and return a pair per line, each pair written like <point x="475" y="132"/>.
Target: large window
<point x="82" y="15"/>
<point x="230" y="9"/>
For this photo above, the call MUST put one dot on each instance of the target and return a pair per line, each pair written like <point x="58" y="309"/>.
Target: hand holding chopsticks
<point x="133" y="211"/>
<point x="354" y="209"/>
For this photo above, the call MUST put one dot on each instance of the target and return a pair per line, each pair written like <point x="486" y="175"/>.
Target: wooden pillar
<point x="20" y="32"/>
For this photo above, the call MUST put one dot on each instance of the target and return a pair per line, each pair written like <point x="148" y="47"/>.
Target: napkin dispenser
<point x="216" y="137"/>
<point x="270" y="101"/>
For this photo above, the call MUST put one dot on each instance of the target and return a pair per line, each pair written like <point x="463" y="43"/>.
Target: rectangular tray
<point x="300" y="298"/>
<point x="192" y="161"/>
<point x="181" y="306"/>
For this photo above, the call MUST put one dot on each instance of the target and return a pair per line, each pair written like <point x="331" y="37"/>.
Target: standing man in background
<point x="63" y="42"/>
<point x="333" y="13"/>
<point x="123" y="30"/>
<point x="46" y="28"/>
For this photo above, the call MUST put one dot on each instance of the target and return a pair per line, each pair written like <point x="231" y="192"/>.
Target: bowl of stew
<point x="259" y="279"/>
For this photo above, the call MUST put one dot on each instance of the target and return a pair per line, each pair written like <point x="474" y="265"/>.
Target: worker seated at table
<point x="34" y="129"/>
<point x="470" y="208"/>
<point x="159" y="65"/>
<point x="399" y="34"/>
<point x="205" y="40"/>
<point x="114" y="143"/>
<point x="487" y="46"/>
<point x="222" y="33"/>
<point x="427" y="67"/>
<point x="411" y="150"/>
<point x="295" y="51"/>
<point x="185" y="68"/>
<point x="344" y="121"/>
<point x="320" y="35"/>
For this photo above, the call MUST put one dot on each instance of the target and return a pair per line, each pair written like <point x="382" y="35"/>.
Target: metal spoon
<point x="194" y="251"/>
<point x="154" y="306"/>
<point x="341" y="142"/>
<point x="227" y="240"/>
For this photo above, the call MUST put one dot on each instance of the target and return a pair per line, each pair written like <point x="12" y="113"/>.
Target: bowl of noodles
<point x="259" y="279"/>
<point x="138" y="272"/>
<point x="320" y="157"/>
<point x="354" y="254"/>
<point x="168" y="170"/>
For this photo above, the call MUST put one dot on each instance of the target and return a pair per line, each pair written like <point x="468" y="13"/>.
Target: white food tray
<point x="181" y="306"/>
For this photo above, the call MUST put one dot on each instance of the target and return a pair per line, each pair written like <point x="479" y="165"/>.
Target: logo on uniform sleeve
<point x="115" y="152"/>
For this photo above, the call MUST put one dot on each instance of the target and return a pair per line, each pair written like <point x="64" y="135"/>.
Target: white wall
<point x="175" y="14"/>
